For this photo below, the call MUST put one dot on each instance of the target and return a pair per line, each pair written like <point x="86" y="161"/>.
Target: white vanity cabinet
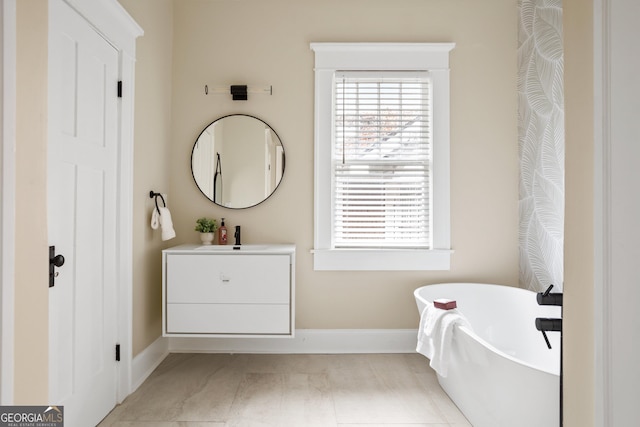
<point x="222" y="291"/>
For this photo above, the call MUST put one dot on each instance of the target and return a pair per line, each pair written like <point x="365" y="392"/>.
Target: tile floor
<point x="198" y="390"/>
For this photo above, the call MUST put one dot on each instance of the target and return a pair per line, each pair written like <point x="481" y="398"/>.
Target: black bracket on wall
<point x="239" y="92"/>
<point x="153" y="194"/>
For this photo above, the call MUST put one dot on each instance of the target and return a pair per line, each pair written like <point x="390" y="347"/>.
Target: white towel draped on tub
<point x="162" y="217"/>
<point x="435" y="335"/>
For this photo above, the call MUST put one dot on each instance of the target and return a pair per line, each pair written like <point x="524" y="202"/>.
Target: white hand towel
<point x="429" y="319"/>
<point x="435" y="335"/>
<point x="161" y="217"/>
<point x="166" y="224"/>
<point x="155" y="219"/>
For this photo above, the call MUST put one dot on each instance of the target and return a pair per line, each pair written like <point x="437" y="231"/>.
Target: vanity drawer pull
<point x="224" y="278"/>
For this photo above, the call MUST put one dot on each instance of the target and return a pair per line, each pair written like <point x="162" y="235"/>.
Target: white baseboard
<point x="147" y="361"/>
<point x="321" y="341"/>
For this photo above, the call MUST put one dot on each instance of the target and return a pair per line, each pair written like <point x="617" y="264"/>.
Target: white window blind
<point x="381" y="160"/>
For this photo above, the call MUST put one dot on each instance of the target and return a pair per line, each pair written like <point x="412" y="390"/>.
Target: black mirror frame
<point x="284" y="162"/>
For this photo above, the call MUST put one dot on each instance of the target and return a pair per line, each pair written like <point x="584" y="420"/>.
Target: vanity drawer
<point x="228" y="279"/>
<point x="228" y="319"/>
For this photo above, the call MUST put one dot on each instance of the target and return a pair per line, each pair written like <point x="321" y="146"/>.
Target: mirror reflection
<point x="237" y="161"/>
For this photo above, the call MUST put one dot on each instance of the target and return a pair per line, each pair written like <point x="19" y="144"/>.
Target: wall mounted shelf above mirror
<point x="238" y="161"/>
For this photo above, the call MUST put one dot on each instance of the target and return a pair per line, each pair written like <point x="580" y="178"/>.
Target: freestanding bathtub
<point x="500" y="373"/>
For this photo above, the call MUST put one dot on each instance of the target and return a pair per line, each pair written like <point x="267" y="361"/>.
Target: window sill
<point x="381" y="259"/>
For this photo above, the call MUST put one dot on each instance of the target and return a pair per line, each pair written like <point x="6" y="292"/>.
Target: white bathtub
<point x="501" y="373"/>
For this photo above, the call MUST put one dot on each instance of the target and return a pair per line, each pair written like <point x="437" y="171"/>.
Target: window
<point x="381" y="159"/>
<point x="382" y="156"/>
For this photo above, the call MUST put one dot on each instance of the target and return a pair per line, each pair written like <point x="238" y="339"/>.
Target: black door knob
<point x="54" y="261"/>
<point x="57" y="260"/>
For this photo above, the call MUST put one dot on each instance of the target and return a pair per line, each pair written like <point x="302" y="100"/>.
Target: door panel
<point x="82" y="190"/>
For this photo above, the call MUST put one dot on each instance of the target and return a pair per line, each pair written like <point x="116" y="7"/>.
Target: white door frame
<point x="601" y="290"/>
<point x="602" y="173"/>
<point x="606" y="306"/>
<point x="7" y="201"/>
<point x="113" y="23"/>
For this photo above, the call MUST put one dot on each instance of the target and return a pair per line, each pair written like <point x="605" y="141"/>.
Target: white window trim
<point x="330" y="57"/>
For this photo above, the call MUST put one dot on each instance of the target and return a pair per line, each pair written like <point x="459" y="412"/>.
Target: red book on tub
<point x="444" y="304"/>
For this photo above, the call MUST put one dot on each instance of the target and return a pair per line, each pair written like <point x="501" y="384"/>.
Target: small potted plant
<point x="207" y="228"/>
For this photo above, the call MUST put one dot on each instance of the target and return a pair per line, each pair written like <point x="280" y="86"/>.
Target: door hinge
<point x="120" y="89"/>
<point x="117" y="352"/>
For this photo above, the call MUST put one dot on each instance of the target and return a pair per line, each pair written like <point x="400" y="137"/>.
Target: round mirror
<point x="237" y="161"/>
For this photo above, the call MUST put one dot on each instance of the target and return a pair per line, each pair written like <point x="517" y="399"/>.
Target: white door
<point x="82" y="207"/>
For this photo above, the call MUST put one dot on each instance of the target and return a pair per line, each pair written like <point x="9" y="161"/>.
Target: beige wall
<point x="266" y="47"/>
<point x="31" y="292"/>
<point x="579" y="228"/>
<point x="272" y="50"/>
<point x="267" y="43"/>
<point x="152" y="140"/>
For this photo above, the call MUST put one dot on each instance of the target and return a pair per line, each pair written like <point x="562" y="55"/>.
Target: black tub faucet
<point x="549" y="325"/>
<point x="545" y="325"/>
<point x="237" y="236"/>
<point x="548" y="298"/>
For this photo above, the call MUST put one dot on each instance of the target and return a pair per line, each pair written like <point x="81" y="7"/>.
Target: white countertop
<point x="229" y="249"/>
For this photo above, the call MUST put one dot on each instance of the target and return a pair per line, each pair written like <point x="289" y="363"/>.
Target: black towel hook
<point x="156" y="195"/>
